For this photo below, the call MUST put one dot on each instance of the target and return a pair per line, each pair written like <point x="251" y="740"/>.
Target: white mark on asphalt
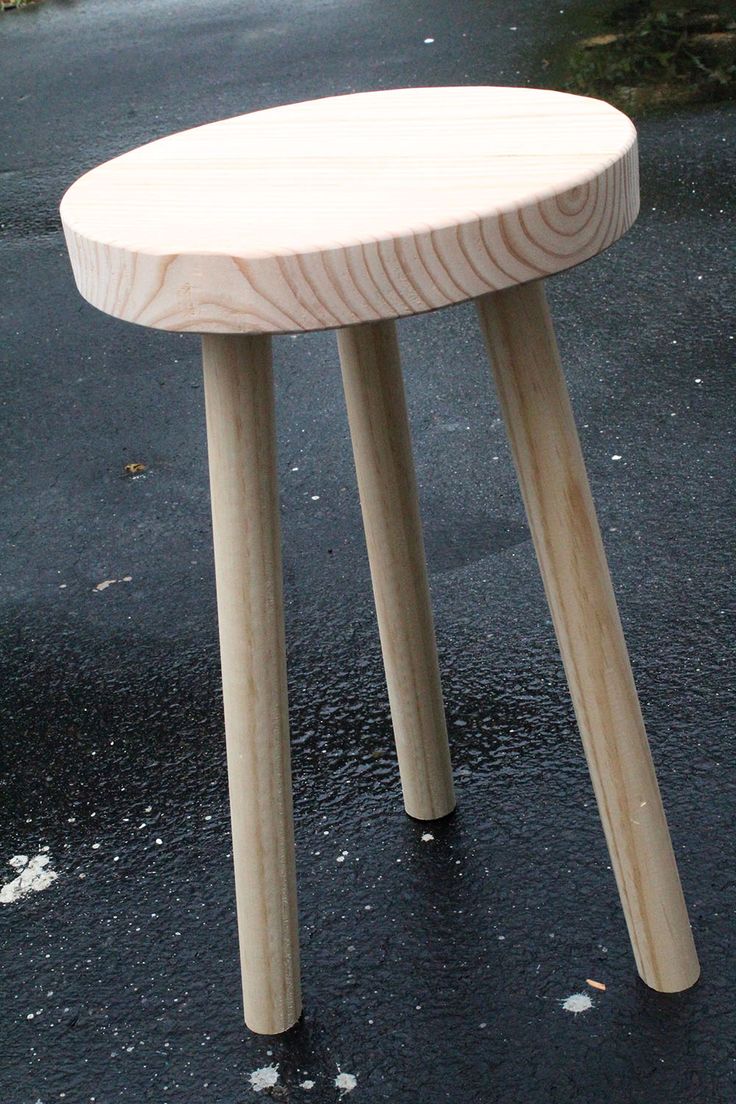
<point x="33" y="877"/>
<point x="426" y="837"/>
<point x="577" y="1003"/>
<point x="108" y="582"/>
<point x="306" y="1084"/>
<point x="264" y="1078"/>
<point x="345" y="1082"/>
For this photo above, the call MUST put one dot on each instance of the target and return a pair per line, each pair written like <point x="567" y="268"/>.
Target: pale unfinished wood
<point x="554" y="484"/>
<point x="350" y="209"/>
<point x="379" y="428"/>
<point x="245" y="522"/>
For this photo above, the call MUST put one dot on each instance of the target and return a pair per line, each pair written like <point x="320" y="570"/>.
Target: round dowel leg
<point x="374" y="393"/>
<point x="554" y="484"/>
<point x="245" y="521"/>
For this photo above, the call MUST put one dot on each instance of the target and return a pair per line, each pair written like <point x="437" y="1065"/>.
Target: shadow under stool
<point x="346" y="213"/>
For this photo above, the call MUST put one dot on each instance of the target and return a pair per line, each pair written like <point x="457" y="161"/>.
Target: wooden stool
<point x="346" y="213"/>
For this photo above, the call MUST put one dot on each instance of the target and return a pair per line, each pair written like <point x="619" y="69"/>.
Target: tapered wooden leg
<point x="554" y="484"/>
<point x="374" y="393"/>
<point x="245" y="520"/>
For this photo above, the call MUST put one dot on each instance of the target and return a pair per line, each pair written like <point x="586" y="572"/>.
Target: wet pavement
<point x="434" y="969"/>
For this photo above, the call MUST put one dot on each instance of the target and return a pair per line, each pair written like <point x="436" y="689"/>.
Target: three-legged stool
<point x="346" y="213"/>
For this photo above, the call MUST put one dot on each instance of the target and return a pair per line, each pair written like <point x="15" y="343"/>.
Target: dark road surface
<point x="434" y="970"/>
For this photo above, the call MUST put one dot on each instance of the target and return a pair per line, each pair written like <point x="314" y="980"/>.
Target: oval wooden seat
<point x="351" y="209"/>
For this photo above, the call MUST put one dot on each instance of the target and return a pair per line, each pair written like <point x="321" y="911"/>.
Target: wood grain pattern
<point x="379" y="428"/>
<point x="351" y="209"/>
<point x="245" y="522"/>
<point x="554" y="484"/>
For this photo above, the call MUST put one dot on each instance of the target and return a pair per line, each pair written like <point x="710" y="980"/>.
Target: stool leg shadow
<point x="554" y="484"/>
<point x="247" y="540"/>
<point x="379" y="428"/>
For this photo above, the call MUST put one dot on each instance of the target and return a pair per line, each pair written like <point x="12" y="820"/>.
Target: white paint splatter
<point x="345" y="1082"/>
<point x="428" y="41"/>
<point x="307" y="1084"/>
<point x="264" y="1078"/>
<point x="426" y="837"/>
<point x="617" y="456"/>
<point x="577" y="1003"/>
<point x="33" y="877"/>
<point x="108" y="582"/>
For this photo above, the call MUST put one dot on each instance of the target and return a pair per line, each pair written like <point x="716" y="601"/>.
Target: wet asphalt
<point x="433" y="970"/>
